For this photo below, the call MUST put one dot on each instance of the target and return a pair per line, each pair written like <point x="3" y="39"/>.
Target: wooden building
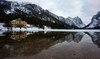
<point x="18" y="23"/>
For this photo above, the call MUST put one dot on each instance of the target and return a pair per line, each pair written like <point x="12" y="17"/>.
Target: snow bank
<point x="46" y="29"/>
<point x="27" y="29"/>
<point x="74" y="30"/>
<point x="1" y="27"/>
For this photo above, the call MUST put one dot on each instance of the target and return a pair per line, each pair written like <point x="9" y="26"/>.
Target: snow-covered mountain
<point x="28" y="10"/>
<point x="75" y="22"/>
<point x="78" y="22"/>
<point x="31" y="10"/>
<point x="95" y="22"/>
<point x="69" y="21"/>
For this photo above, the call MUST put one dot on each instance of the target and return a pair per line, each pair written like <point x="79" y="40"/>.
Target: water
<point x="50" y="45"/>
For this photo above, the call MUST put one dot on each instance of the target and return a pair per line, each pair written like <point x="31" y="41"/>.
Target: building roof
<point x="24" y="22"/>
<point x="17" y="19"/>
<point x="13" y="21"/>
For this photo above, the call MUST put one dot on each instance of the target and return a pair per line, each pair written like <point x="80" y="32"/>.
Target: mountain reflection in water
<point x="17" y="44"/>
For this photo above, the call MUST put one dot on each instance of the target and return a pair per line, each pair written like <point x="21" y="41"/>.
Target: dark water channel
<point x="50" y="45"/>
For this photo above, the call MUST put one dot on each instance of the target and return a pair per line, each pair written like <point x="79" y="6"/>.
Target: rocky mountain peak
<point x="78" y="22"/>
<point x="69" y="18"/>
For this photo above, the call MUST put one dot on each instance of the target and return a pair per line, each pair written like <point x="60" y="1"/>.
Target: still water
<point x="50" y="45"/>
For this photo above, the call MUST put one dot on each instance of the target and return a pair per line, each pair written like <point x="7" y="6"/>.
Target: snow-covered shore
<point x="46" y="29"/>
<point x="49" y="30"/>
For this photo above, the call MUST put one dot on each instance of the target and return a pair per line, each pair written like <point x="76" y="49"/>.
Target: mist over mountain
<point x="37" y="16"/>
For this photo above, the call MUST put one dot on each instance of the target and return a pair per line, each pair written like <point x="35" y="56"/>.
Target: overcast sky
<point x="85" y="9"/>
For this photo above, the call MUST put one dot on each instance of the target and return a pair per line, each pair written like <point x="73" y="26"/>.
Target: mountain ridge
<point x="37" y="16"/>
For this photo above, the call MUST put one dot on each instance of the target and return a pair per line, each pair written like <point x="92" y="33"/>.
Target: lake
<point x="49" y="45"/>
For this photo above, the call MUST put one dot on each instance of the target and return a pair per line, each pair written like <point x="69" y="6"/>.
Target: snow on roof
<point x="13" y="21"/>
<point x="24" y="22"/>
<point x="17" y="19"/>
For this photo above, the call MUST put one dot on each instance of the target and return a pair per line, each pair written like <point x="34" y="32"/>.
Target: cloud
<point x="62" y="8"/>
<point x="89" y="8"/>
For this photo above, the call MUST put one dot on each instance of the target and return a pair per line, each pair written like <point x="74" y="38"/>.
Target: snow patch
<point x="99" y="18"/>
<point x="93" y="24"/>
